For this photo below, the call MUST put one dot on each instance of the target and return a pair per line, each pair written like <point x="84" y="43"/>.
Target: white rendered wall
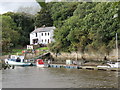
<point x="32" y="36"/>
<point x="41" y="37"/>
<point x="45" y="37"/>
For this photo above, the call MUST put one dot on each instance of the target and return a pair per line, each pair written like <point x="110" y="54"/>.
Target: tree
<point x="61" y="11"/>
<point x="10" y="36"/>
<point x="92" y="26"/>
<point x="25" y="24"/>
<point x="43" y="18"/>
<point x="41" y="3"/>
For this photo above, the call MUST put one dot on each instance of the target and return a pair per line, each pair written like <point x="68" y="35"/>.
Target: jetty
<point x="83" y="67"/>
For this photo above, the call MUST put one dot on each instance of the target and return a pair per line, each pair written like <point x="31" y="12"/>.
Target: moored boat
<point x="117" y="63"/>
<point x="101" y="66"/>
<point x="40" y="63"/>
<point x="114" y="64"/>
<point x="17" y="61"/>
<point x="14" y="62"/>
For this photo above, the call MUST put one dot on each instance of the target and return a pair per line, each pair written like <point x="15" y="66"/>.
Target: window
<point x="48" y="41"/>
<point x="48" y="34"/>
<point x="45" y="34"/>
<point x="45" y="40"/>
<point x="36" y="34"/>
<point x="42" y="40"/>
<point x="42" y="34"/>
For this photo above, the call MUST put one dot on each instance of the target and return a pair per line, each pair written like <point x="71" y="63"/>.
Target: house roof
<point x="43" y="29"/>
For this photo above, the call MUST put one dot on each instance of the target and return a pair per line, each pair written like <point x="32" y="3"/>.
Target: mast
<point x="116" y="47"/>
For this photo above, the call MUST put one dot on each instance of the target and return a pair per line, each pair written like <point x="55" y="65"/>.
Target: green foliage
<point x="43" y="18"/>
<point x="89" y="26"/>
<point x="117" y="4"/>
<point x="43" y="48"/>
<point x="25" y="25"/>
<point x="83" y="26"/>
<point x="10" y="35"/>
<point x="41" y="3"/>
<point x="61" y="11"/>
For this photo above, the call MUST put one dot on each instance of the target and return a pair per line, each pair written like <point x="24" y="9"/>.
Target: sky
<point x="13" y="5"/>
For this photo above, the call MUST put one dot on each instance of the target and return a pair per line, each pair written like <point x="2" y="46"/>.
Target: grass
<point x="43" y="48"/>
<point x="14" y="52"/>
<point x="19" y="51"/>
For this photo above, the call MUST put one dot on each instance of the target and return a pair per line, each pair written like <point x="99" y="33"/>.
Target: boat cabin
<point x="40" y="61"/>
<point x="17" y="58"/>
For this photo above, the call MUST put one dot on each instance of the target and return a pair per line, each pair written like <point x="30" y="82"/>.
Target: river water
<point x="34" y="77"/>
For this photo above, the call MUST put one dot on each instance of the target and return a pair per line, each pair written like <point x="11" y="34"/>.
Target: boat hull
<point x="18" y="63"/>
<point x="40" y="65"/>
<point x="115" y="65"/>
<point x="103" y="66"/>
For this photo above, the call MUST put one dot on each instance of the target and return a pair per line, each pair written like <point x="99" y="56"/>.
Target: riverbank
<point x="86" y="59"/>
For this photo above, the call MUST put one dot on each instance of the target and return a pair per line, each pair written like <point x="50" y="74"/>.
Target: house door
<point x="35" y="41"/>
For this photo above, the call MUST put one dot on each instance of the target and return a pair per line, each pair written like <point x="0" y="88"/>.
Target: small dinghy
<point x="40" y="63"/>
<point x="114" y="64"/>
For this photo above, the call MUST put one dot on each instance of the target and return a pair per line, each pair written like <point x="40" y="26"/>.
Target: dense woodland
<point x="80" y="26"/>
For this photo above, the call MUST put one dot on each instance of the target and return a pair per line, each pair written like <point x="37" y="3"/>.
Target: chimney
<point x="43" y="26"/>
<point x="35" y="27"/>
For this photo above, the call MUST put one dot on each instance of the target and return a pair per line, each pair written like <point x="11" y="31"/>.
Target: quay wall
<point x="4" y="57"/>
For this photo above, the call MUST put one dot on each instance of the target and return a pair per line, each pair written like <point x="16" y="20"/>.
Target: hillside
<point x="80" y="27"/>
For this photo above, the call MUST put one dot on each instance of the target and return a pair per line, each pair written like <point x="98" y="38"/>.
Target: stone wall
<point x="95" y="56"/>
<point x="27" y="56"/>
<point x="4" y="57"/>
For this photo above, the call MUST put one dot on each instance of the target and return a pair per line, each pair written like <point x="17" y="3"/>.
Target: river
<point x="34" y="77"/>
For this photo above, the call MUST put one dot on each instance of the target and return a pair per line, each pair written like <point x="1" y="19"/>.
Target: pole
<point x="116" y="47"/>
<point x="76" y="57"/>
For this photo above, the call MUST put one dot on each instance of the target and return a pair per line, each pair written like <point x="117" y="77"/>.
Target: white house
<point x="43" y="35"/>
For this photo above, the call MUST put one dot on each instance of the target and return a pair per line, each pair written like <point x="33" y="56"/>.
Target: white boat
<point x="100" y="66"/>
<point x="114" y="64"/>
<point x="17" y="61"/>
<point x="40" y="63"/>
<point x="11" y="62"/>
<point x="117" y="63"/>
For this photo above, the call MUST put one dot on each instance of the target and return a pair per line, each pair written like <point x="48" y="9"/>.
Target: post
<point x="116" y="47"/>
<point x="76" y="57"/>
